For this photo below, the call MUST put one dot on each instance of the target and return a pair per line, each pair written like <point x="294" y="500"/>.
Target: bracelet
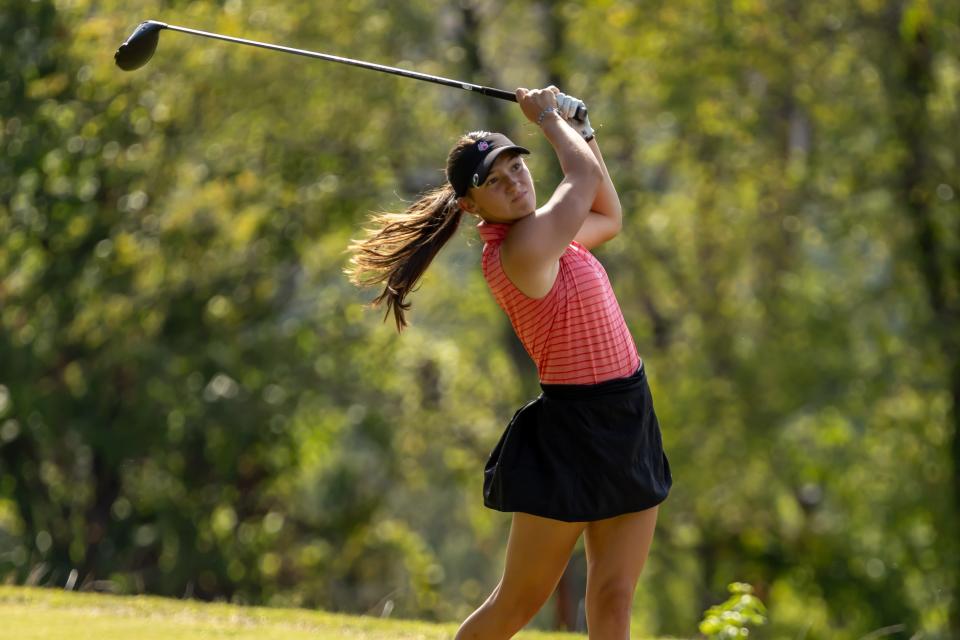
<point x="544" y="113"/>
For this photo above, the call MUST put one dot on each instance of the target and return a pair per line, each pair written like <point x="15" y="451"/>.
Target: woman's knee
<point x="498" y="617"/>
<point x="520" y="608"/>
<point x="517" y="609"/>
<point x="611" y="599"/>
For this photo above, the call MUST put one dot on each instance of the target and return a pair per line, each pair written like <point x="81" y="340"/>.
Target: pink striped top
<point x="575" y="334"/>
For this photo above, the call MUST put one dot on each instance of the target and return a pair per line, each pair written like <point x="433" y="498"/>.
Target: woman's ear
<point x="467" y="204"/>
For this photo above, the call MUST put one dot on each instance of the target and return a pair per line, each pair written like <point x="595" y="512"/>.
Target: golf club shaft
<point x="487" y="91"/>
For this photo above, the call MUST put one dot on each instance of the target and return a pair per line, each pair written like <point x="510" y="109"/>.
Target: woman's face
<point x="506" y="195"/>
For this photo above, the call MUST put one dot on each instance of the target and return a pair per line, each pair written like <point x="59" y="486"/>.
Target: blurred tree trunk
<point x="98" y="521"/>
<point x="554" y="29"/>
<point x="493" y="112"/>
<point x="910" y="82"/>
<point x="493" y="117"/>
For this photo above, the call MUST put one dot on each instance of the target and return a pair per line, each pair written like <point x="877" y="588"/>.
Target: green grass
<point x="32" y="614"/>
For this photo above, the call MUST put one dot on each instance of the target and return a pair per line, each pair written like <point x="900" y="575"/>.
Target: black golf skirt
<point x="581" y="453"/>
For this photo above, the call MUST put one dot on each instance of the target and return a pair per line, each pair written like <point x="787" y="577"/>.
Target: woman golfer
<point x="585" y="457"/>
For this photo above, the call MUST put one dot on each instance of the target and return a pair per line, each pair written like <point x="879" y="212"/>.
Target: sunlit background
<point x="195" y="402"/>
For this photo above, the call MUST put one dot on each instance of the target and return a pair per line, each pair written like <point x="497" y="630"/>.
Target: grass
<point x="34" y="614"/>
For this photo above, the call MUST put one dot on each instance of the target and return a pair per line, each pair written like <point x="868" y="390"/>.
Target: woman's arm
<point x="604" y="220"/>
<point x="606" y="217"/>
<point x="530" y="253"/>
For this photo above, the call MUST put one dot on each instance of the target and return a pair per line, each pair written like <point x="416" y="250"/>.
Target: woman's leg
<point x="538" y="549"/>
<point x="616" y="549"/>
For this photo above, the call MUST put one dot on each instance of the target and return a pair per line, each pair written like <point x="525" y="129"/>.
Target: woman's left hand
<point x="569" y="106"/>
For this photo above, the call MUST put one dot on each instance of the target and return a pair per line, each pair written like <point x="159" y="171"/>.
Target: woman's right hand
<point x="534" y="102"/>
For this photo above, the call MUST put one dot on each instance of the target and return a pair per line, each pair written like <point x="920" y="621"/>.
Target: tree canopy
<point x="195" y="401"/>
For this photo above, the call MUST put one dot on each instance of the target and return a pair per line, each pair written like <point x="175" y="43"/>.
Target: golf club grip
<point x="579" y="116"/>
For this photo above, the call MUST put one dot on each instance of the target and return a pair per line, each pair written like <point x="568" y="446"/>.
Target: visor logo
<point x="483" y="145"/>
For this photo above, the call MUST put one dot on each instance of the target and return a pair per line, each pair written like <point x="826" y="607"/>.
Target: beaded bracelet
<point x="544" y="113"/>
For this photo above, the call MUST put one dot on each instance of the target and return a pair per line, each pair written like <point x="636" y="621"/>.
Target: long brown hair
<point x="400" y="247"/>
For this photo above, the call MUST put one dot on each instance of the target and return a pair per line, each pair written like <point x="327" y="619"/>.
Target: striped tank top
<point x="575" y="334"/>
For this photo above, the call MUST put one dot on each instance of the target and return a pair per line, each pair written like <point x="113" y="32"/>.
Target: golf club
<point x="137" y="50"/>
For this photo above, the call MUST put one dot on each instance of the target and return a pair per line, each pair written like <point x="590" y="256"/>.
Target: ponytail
<point x="402" y="246"/>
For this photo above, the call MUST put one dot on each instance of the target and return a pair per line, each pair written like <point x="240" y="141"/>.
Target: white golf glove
<point x="567" y="106"/>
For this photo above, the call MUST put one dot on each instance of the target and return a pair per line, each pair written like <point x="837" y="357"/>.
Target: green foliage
<point x="732" y="619"/>
<point x="194" y="401"/>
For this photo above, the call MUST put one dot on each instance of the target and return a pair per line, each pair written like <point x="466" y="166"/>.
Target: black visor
<point x="473" y="165"/>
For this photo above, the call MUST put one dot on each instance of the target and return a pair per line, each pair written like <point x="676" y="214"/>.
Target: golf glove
<point x="567" y="106"/>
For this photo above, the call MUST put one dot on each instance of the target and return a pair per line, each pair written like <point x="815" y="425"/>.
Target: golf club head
<point x="139" y="47"/>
